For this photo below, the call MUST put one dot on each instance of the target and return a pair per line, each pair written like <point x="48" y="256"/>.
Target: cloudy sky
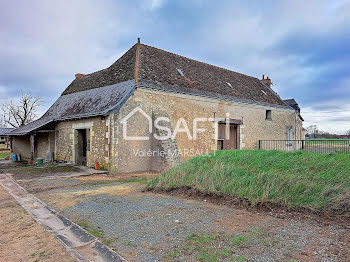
<point x="304" y="46"/>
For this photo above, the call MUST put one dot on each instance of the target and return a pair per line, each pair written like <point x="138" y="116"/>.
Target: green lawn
<point x="318" y="181"/>
<point x="327" y="141"/>
<point x="3" y="155"/>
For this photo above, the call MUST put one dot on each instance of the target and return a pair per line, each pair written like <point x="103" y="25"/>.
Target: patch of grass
<point x="173" y="254"/>
<point x="239" y="240"/>
<point x="93" y="231"/>
<point x="303" y="179"/>
<point x="205" y="247"/>
<point x="109" y="241"/>
<point x="4" y="154"/>
<point x="228" y="247"/>
<point x="38" y="170"/>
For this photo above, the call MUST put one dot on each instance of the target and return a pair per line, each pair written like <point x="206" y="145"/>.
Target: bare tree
<point x="21" y="113"/>
<point x="347" y="133"/>
<point x="312" y="131"/>
<point x="2" y="122"/>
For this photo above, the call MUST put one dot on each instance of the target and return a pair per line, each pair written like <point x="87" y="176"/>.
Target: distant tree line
<point x="314" y="132"/>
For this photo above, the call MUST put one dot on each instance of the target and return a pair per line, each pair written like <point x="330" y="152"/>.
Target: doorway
<point x="229" y="142"/>
<point x="81" y="147"/>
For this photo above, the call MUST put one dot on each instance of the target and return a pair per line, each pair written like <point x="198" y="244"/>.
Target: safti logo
<point x="180" y="127"/>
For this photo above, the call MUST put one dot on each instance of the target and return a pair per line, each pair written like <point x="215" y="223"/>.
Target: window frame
<point x="268" y="115"/>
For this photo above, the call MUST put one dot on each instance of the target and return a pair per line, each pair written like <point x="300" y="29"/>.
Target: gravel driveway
<point x="152" y="227"/>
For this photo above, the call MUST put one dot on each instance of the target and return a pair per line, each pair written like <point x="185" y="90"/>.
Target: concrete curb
<point x="80" y="244"/>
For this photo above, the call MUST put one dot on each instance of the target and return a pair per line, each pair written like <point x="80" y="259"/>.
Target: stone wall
<point x="21" y="146"/>
<point x="154" y="103"/>
<point x="66" y="140"/>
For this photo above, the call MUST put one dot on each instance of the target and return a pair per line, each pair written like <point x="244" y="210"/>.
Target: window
<point x="268" y="115"/>
<point x="220" y="144"/>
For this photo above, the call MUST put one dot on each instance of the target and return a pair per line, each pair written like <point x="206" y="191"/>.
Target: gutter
<point x="121" y="102"/>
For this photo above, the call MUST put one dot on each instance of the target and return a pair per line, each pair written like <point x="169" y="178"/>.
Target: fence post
<point x="302" y="144"/>
<point x="259" y="144"/>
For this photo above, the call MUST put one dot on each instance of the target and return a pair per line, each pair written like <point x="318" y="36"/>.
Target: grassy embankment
<point x="295" y="179"/>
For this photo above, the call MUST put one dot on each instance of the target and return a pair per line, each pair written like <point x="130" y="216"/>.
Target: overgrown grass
<point x="304" y="179"/>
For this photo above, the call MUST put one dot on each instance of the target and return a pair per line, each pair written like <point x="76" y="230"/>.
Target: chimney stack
<point x="77" y="76"/>
<point x="267" y="81"/>
<point x="138" y="40"/>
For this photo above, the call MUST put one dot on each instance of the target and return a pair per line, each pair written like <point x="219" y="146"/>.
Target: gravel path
<point x="149" y="227"/>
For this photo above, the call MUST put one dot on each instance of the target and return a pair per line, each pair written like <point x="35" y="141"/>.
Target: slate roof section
<point x="292" y="103"/>
<point x="88" y="103"/>
<point x="149" y="84"/>
<point x="5" y="130"/>
<point x="161" y="66"/>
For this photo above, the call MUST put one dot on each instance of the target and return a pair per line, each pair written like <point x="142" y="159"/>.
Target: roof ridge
<point x="219" y="67"/>
<point x="137" y="62"/>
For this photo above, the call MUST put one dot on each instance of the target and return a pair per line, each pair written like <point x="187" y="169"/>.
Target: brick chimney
<point x="267" y="81"/>
<point x="77" y="76"/>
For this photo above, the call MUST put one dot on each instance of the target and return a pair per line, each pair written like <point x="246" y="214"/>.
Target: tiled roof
<point x="165" y="67"/>
<point x="161" y="66"/>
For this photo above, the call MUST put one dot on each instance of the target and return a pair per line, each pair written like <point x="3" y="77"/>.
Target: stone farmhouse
<point x="88" y="122"/>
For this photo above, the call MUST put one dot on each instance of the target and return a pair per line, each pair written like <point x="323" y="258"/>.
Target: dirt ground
<point x="22" y="239"/>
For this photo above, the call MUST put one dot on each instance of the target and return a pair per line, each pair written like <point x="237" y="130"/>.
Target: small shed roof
<point x="94" y="102"/>
<point x="5" y="130"/>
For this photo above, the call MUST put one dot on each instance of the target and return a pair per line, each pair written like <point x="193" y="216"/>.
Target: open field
<point x="320" y="182"/>
<point x="327" y="141"/>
